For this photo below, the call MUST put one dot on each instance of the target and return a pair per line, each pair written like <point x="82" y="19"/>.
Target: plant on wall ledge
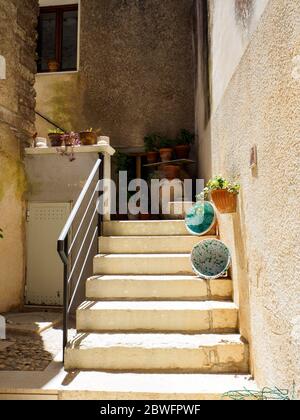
<point x="223" y="194"/>
<point x="151" y="143"/>
<point x="183" y="144"/>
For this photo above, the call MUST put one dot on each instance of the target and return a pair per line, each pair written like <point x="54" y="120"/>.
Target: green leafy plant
<point x="152" y="142"/>
<point x="56" y="131"/>
<point x="185" y="137"/>
<point x="166" y="143"/>
<point x="219" y="183"/>
<point x="122" y="161"/>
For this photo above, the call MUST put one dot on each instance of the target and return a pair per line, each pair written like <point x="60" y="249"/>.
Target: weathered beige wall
<point x="17" y="100"/>
<point x="231" y="25"/>
<point x="136" y="72"/>
<point x="260" y="106"/>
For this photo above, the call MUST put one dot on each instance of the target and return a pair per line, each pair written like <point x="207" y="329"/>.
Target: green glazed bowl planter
<point x="201" y="218"/>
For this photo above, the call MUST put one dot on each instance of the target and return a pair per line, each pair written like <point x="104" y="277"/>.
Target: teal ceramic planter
<point x="201" y="218"/>
<point x="210" y="259"/>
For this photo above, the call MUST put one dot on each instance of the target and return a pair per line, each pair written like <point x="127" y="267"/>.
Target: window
<point x="57" y="42"/>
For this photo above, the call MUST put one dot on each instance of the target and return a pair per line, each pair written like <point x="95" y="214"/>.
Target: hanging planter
<point x="201" y="218"/>
<point x="223" y="194"/>
<point x="210" y="259"/>
<point x="225" y="201"/>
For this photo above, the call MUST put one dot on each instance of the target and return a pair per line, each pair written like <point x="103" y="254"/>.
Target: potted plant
<point x="223" y="194"/>
<point x="171" y="172"/>
<point x="166" y="149"/>
<point x="71" y="139"/>
<point x="56" y="137"/>
<point x="88" y="137"/>
<point x="53" y="65"/>
<point x="151" y="147"/>
<point x="183" y="144"/>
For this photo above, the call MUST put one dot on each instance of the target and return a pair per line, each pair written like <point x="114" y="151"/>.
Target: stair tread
<point x="152" y="277"/>
<point x="149" y="256"/>
<point x="157" y="385"/>
<point x="159" y="236"/>
<point x="185" y="341"/>
<point x="157" y="305"/>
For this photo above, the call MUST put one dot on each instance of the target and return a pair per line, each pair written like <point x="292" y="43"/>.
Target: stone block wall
<point x="18" y="19"/>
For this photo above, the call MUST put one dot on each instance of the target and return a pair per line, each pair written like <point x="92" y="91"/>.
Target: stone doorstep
<point x="56" y="383"/>
<point x="31" y="322"/>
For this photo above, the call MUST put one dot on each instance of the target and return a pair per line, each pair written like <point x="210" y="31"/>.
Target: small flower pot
<point x="171" y="172"/>
<point x="225" y="201"/>
<point x="166" y="154"/>
<point x="182" y="151"/>
<point x="68" y="141"/>
<point x="152" y="157"/>
<point x="88" y="138"/>
<point x="53" y="66"/>
<point x="56" y="140"/>
<point x="145" y="216"/>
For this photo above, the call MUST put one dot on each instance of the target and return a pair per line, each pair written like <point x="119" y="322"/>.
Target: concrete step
<point x="158" y="353"/>
<point x="158" y="316"/>
<point x="151" y="287"/>
<point x="149" y="244"/>
<point x="142" y="264"/>
<point x="150" y="386"/>
<point x="146" y="228"/>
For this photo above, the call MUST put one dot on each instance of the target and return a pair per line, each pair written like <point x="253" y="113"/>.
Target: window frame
<point x="59" y="11"/>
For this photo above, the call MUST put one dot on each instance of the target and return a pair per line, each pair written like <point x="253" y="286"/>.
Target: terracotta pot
<point x="88" y="138"/>
<point x="171" y="171"/>
<point x="67" y="140"/>
<point x="225" y="201"/>
<point x="152" y="157"/>
<point x="56" y="140"/>
<point x="182" y="151"/>
<point x="166" y="154"/>
<point x="145" y="216"/>
<point x="53" y="66"/>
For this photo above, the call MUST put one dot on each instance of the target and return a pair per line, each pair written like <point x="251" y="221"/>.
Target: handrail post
<point x="102" y="157"/>
<point x="107" y="178"/>
<point x="66" y="297"/>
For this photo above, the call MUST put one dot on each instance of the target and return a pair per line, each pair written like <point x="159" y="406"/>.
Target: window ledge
<point x="57" y="73"/>
<point x="97" y="148"/>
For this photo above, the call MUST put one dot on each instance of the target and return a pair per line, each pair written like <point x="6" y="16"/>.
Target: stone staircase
<point x="147" y="315"/>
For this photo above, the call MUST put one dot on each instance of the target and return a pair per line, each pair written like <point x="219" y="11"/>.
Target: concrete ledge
<point x="158" y="353"/>
<point x="151" y="287"/>
<point x="156" y="316"/>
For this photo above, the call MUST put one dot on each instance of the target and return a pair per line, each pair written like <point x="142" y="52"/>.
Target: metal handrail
<point x="65" y="251"/>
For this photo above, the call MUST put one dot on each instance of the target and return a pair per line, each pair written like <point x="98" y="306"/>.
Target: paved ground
<point x="30" y="352"/>
<point x="26" y="348"/>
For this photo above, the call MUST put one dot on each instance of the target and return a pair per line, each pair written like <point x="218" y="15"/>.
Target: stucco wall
<point x="17" y="101"/>
<point x="261" y="107"/>
<point x="136" y="72"/>
<point x="231" y="24"/>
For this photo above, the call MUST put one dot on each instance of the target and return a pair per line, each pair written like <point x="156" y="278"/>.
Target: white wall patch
<point x="2" y="68"/>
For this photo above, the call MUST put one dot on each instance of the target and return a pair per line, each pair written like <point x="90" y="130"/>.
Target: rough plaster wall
<point x="232" y="24"/>
<point x="261" y="106"/>
<point x="136" y="71"/>
<point x="17" y="101"/>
